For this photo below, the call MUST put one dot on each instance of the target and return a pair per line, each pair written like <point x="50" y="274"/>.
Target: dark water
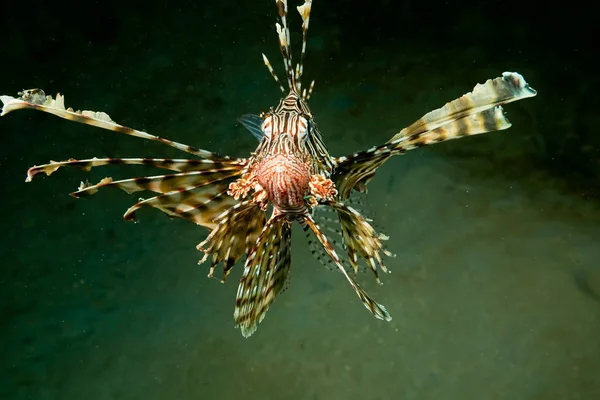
<point x="496" y="285"/>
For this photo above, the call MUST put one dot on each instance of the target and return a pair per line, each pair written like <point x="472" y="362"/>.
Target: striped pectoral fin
<point x="481" y="122"/>
<point x="328" y="221"/>
<point x="336" y="230"/>
<point x="36" y="99"/>
<point x="375" y="308"/>
<point x="265" y="272"/>
<point x="360" y="238"/>
<point x="476" y="112"/>
<point x="470" y="114"/>
<point x="236" y="233"/>
<point x="180" y="165"/>
<point x="353" y="172"/>
<point x="201" y="205"/>
<point x="358" y="202"/>
<point x="161" y="183"/>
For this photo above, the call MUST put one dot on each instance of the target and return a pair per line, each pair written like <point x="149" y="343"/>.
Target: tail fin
<point x="265" y="273"/>
<point x="375" y="308"/>
<point x="476" y="112"/>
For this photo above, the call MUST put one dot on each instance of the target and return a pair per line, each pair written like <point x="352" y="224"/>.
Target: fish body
<point x="290" y="172"/>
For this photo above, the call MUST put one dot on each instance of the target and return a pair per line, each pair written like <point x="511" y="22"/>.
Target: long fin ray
<point x="180" y="165"/>
<point x="161" y="183"/>
<point x="328" y="220"/>
<point x="265" y="274"/>
<point x="36" y="99"/>
<point x="330" y="225"/>
<point x="201" y="205"/>
<point x="293" y="74"/>
<point x="236" y="233"/>
<point x="493" y="93"/>
<point x="375" y="308"/>
<point x="360" y="238"/>
<point x="476" y="112"/>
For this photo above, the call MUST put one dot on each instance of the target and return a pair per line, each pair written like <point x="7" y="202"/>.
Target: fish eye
<point x="302" y="128"/>
<point x="267" y="127"/>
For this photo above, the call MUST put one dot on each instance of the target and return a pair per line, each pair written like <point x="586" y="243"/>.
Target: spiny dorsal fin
<point x="304" y="11"/>
<point x="283" y="34"/>
<point x="293" y="75"/>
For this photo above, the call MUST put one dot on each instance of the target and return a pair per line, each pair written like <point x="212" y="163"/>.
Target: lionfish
<point x="290" y="176"/>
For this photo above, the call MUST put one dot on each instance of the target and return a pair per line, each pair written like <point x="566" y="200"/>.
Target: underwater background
<point x="495" y="290"/>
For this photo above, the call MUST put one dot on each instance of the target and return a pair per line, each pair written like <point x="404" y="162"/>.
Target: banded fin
<point x="236" y="233"/>
<point x="353" y="172"/>
<point x="199" y="196"/>
<point x="273" y="73"/>
<point x="283" y="35"/>
<point x="510" y="87"/>
<point x="36" y="99"/>
<point x="265" y="273"/>
<point x="293" y="74"/>
<point x="201" y="204"/>
<point x="360" y="239"/>
<point x="329" y="221"/>
<point x="304" y="11"/>
<point x="375" y="308"/>
<point x="476" y="112"/>
<point x="359" y="202"/>
<point x="253" y="123"/>
<point x="180" y="165"/>
<point x="160" y="183"/>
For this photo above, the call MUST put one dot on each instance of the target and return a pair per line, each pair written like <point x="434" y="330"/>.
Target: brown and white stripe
<point x="291" y="153"/>
<point x="474" y="113"/>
